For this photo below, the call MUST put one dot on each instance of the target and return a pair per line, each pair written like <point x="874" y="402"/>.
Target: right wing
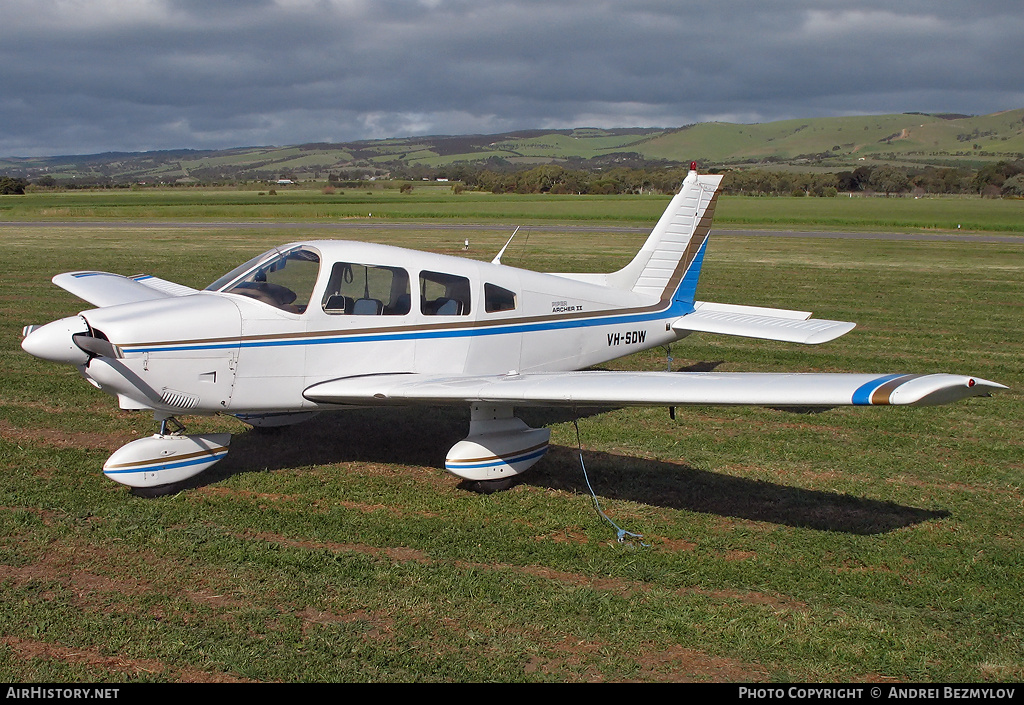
<point x="608" y="388"/>
<point x="106" y="289"/>
<point x="764" y="323"/>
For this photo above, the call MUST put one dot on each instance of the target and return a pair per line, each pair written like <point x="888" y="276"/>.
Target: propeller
<point x="97" y="347"/>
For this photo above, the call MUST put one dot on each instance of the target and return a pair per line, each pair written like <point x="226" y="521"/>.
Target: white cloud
<point x="863" y="24"/>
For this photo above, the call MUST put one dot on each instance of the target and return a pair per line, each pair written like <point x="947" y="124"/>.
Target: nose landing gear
<point x="166" y="458"/>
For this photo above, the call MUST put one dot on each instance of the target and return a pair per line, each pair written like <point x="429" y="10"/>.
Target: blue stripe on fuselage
<point x="676" y="309"/>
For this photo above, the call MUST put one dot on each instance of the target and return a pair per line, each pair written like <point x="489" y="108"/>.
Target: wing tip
<point x="929" y="390"/>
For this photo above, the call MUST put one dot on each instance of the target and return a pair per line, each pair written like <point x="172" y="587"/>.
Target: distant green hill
<point x="911" y="139"/>
<point x="840" y="142"/>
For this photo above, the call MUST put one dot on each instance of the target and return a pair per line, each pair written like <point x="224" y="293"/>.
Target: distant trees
<point x="499" y="175"/>
<point x="1014" y="186"/>
<point x="889" y="180"/>
<point x="552" y="178"/>
<point x="10" y="186"/>
<point x="762" y="182"/>
<point x="990" y="179"/>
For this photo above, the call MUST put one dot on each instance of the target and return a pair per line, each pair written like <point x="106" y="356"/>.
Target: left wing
<point x="106" y="289"/>
<point x="604" y="388"/>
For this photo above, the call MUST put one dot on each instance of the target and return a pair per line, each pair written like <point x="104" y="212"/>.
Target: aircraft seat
<point x="368" y="307"/>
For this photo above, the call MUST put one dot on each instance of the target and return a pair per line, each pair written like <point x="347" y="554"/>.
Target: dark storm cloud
<point x="94" y="75"/>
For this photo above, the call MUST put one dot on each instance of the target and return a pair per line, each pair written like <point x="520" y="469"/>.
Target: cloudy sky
<point x="86" y="76"/>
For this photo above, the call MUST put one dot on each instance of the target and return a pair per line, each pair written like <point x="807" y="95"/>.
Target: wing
<point x="765" y="323"/>
<point x="603" y="388"/>
<point x="105" y="289"/>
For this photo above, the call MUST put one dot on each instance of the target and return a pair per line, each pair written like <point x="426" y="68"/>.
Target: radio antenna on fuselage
<point x="497" y="257"/>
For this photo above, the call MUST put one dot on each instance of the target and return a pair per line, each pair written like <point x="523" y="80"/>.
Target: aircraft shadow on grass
<point x="418" y="436"/>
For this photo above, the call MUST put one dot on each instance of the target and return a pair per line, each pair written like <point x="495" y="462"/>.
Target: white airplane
<point x="325" y="325"/>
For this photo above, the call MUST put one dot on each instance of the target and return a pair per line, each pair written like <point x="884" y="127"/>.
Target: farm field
<point x="852" y="545"/>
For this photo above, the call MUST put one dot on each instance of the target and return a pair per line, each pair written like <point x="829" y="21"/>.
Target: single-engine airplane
<point x="325" y="325"/>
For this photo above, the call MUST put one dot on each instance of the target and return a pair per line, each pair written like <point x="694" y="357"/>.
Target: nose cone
<point x="53" y="341"/>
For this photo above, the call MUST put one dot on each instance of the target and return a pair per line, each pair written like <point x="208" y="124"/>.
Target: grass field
<point x="850" y="545"/>
<point x="434" y="202"/>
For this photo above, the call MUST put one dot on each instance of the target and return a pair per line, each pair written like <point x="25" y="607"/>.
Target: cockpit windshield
<point x="282" y="278"/>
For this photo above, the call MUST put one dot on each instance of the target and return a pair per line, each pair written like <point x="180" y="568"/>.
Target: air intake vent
<point x="178" y="400"/>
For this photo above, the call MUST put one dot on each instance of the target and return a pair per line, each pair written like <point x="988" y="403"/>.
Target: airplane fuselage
<point x="218" y="351"/>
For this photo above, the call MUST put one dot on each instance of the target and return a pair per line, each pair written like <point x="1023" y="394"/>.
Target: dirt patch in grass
<point x="675" y="664"/>
<point x="33" y="649"/>
<point x="62" y="567"/>
<point x="570" y="534"/>
<point x="674" y="545"/>
<point x="60" y="438"/>
<point x="378" y="627"/>
<point x="680" y="665"/>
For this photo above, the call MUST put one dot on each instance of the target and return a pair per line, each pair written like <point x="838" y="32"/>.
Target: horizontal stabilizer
<point x="106" y="289"/>
<point x="767" y="324"/>
<point x="605" y="388"/>
<point x="163" y="285"/>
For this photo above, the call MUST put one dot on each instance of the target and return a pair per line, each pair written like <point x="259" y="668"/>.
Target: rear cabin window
<point x="367" y="290"/>
<point x="444" y="294"/>
<point x="498" y="299"/>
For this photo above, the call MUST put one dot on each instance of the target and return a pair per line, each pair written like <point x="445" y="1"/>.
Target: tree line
<point x="1004" y="178"/>
<point x="998" y="179"/>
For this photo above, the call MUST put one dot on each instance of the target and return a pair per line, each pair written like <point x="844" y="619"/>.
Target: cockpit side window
<point x="367" y="290"/>
<point x="444" y="294"/>
<point x="285" y="282"/>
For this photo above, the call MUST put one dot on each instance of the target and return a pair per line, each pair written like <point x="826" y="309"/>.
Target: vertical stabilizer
<point x="668" y="265"/>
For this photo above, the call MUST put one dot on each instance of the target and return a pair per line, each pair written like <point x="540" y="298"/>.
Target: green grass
<point x="850" y="545"/>
<point x="963" y="215"/>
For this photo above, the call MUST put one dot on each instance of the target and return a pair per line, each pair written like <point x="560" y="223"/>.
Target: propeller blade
<point x="94" y="346"/>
